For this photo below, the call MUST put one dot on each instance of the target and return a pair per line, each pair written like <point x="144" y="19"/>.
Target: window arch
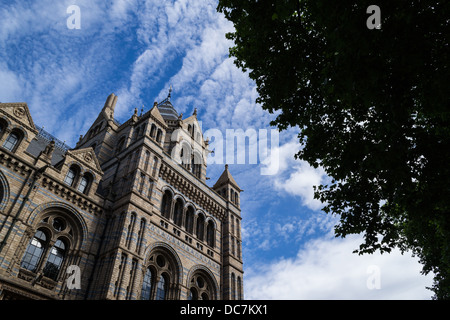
<point x="201" y="286"/>
<point x="210" y="234"/>
<point x="178" y="212"/>
<point x="55" y="259"/>
<point x="147" y="284"/>
<point x="161" y="288"/>
<point x="140" y="239"/>
<point x="161" y="276"/>
<point x="189" y="220"/>
<point x="130" y="230"/>
<point x="239" y="288"/>
<point x="200" y="226"/>
<point x="85" y="183"/>
<point x="166" y="204"/>
<point x="186" y="156"/>
<point x="146" y="160"/>
<point x="13" y="140"/>
<point x="72" y="175"/>
<point x="197" y="165"/>
<point x="159" y="135"/>
<point x="153" y="131"/>
<point x="233" y="286"/>
<point x="34" y="251"/>
<point x="57" y="236"/>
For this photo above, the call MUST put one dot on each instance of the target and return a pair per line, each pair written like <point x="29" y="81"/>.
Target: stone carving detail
<point x="19" y="112"/>
<point x="88" y="157"/>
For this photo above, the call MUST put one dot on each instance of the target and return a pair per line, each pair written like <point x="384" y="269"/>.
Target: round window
<point x="59" y="224"/>
<point x="160" y="261"/>
<point x="200" y="282"/>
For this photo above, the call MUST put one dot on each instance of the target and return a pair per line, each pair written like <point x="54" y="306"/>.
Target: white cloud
<point x="301" y="182"/>
<point x="294" y="177"/>
<point x="326" y="269"/>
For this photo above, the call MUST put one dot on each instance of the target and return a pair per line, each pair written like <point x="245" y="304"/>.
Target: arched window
<point x="161" y="288"/>
<point x="55" y="259"/>
<point x="71" y="176"/>
<point x="200" y="226"/>
<point x="152" y="131"/>
<point x="201" y="286"/>
<point x="196" y="166"/>
<point x="130" y="230"/>
<point x="193" y="295"/>
<point x="178" y="212"/>
<point x="210" y="234"/>
<point x="12" y="141"/>
<point x="146" y="161"/>
<point x="34" y="251"/>
<point x="140" y="239"/>
<point x="166" y="204"/>
<point x="47" y="251"/>
<point x="161" y="276"/>
<point x="233" y="287"/>
<point x="239" y="288"/>
<point x="147" y="285"/>
<point x="85" y="183"/>
<point x="159" y="135"/>
<point x="189" y="221"/>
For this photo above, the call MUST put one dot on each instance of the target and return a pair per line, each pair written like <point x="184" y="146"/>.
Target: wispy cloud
<point x="295" y="177"/>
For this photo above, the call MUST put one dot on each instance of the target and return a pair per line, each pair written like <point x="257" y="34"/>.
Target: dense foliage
<point x="373" y="109"/>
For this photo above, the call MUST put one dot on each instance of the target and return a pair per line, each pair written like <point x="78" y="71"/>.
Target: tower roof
<point x="166" y="108"/>
<point x="226" y="178"/>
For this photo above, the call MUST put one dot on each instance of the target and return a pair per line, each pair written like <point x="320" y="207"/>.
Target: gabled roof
<point x="19" y="111"/>
<point x="226" y="178"/>
<point x="157" y="115"/>
<point x="87" y="156"/>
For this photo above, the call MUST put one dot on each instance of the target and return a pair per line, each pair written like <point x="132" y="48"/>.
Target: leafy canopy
<point x="373" y="109"/>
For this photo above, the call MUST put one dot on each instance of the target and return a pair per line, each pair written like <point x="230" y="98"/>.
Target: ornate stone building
<point x="126" y="214"/>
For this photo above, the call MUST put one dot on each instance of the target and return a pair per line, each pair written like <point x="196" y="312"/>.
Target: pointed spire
<point x="170" y="92"/>
<point x="226" y="178"/>
<point x="110" y="104"/>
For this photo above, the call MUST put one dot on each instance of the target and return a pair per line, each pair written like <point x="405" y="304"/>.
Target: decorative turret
<point x="227" y="187"/>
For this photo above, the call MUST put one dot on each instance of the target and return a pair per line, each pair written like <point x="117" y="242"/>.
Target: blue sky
<point x="137" y="49"/>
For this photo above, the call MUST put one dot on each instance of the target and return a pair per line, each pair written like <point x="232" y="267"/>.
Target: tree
<point x="372" y="106"/>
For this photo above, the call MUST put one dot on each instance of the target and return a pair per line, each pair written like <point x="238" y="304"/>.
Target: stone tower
<point x="124" y="215"/>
